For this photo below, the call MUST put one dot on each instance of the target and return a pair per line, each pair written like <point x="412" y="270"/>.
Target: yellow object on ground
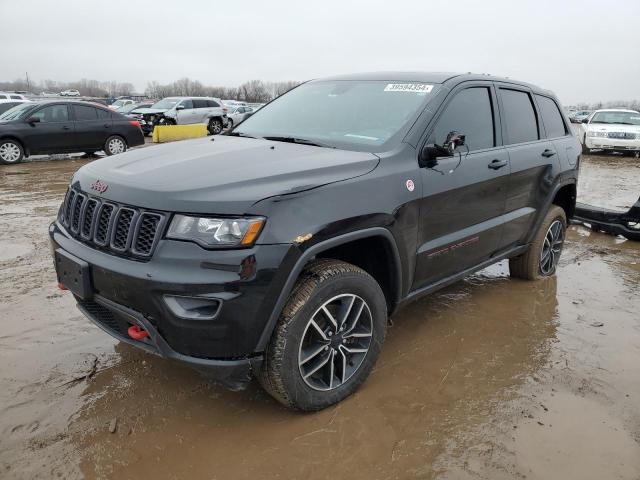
<point x="171" y="133"/>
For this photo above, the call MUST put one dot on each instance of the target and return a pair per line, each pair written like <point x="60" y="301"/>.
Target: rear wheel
<point x="541" y="260"/>
<point x="215" y="126"/>
<point x="328" y="337"/>
<point x="115" y="145"/>
<point x="10" y="152"/>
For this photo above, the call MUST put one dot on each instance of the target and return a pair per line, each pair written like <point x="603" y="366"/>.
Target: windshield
<point x="118" y="103"/>
<point x="17" y="112"/>
<point x="624" y="118"/>
<point x="128" y="108"/>
<point x="166" y="103"/>
<point x="351" y="114"/>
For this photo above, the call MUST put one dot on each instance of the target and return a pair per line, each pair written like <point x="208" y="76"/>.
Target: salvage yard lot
<point x="491" y="377"/>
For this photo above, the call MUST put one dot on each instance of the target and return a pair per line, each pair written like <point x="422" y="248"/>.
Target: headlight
<point x="211" y="232"/>
<point x="592" y="133"/>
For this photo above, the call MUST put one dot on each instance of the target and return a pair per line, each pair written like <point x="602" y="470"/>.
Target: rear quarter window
<point x="520" y="116"/>
<point x="551" y="117"/>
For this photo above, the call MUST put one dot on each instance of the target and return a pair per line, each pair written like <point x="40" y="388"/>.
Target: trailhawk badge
<point x="99" y="186"/>
<point x="410" y="185"/>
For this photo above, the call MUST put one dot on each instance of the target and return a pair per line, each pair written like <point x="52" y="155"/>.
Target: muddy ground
<point x="491" y="378"/>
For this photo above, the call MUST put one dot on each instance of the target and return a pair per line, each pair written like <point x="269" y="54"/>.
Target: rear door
<point x="532" y="159"/>
<point x="464" y="195"/>
<point x="54" y="132"/>
<point x="201" y="110"/>
<point x="92" y="129"/>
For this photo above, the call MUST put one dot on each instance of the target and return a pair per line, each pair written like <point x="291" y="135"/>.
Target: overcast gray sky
<point x="584" y="50"/>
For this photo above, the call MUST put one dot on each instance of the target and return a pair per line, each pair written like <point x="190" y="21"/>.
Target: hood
<point x="147" y="110"/>
<point x="218" y="175"/>
<point x="614" y="127"/>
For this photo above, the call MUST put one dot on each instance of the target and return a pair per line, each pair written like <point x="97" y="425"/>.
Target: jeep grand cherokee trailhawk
<point x="281" y="249"/>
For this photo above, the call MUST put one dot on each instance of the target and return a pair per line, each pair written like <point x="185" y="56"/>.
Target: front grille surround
<point x="116" y="228"/>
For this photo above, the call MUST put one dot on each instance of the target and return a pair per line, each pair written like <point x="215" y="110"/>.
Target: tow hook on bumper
<point x="137" y="333"/>
<point x="612" y="222"/>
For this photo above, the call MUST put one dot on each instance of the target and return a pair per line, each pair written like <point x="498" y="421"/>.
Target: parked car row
<point x="578" y="115"/>
<point x="63" y="126"/>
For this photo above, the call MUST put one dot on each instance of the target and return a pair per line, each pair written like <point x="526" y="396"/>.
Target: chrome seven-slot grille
<point x="110" y="226"/>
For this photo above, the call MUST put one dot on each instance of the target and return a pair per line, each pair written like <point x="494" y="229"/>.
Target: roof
<point x="428" y="77"/>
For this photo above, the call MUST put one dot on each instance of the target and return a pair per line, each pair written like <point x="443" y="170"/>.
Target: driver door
<point x="465" y="194"/>
<point x="184" y="115"/>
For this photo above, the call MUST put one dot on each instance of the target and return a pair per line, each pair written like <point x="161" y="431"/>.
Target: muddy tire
<point x="10" y="152"/>
<point x="214" y="126"/>
<point x="328" y="337"/>
<point x="115" y="144"/>
<point x="541" y="260"/>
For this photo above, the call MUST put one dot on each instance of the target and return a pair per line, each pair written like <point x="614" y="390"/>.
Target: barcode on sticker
<point x="408" y="87"/>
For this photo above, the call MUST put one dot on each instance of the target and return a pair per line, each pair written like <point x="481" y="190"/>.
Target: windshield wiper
<point x="239" y="134"/>
<point x="301" y="141"/>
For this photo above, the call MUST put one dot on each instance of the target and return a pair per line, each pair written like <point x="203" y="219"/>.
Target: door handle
<point x="66" y="127"/>
<point x="106" y="125"/>
<point x="496" y="164"/>
<point x="548" y="153"/>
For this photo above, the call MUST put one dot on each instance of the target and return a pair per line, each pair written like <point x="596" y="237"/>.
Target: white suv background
<point x="611" y="129"/>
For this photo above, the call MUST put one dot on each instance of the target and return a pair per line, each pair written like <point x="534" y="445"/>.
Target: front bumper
<point x="125" y="292"/>
<point x="605" y="143"/>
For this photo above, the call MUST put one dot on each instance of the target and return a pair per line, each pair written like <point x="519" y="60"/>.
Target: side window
<point x="212" y="103"/>
<point x="551" y="117"/>
<point x="3" y="97"/>
<point x="470" y="113"/>
<point x="16" y="97"/>
<point x="84" y="113"/>
<point x="52" y="113"/>
<point x="187" y="104"/>
<point x="102" y="114"/>
<point x="199" y="103"/>
<point x="519" y="116"/>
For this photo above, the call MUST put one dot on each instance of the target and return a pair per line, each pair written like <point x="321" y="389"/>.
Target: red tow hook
<point x="137" y="333"/>
<point x="61" y="286"/>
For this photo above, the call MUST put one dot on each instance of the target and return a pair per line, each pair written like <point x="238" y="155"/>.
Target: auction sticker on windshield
<point x="408" y="87"/>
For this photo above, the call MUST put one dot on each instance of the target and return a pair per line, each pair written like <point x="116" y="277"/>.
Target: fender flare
<point x="320" y="247"/>
<point x="562" y="183"/>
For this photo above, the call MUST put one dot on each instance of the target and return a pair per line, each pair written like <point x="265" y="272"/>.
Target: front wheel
<point x="115" y="145"/>
<point x="10" y="152"/>
<point x="541" y="260"/>
<point x="215" y="126"/>
<point x="328" y="337"/>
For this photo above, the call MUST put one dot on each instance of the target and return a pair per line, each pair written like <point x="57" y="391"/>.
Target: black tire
<point x="320" y="283"/>
<point x="115" y="144"/>
<point x="215" y="126"/>
<point x="586" y="150"/>
<point x="529" y="266"/>
<point x="11" y="152"/>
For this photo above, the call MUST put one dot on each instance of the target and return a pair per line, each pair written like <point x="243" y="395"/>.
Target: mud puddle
<point x="491" y="378"/>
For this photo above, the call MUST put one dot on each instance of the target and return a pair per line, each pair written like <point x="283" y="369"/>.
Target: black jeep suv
<point x="282" y="248"/>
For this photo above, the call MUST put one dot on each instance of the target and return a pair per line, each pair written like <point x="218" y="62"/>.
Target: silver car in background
<point x="187" y="110"/>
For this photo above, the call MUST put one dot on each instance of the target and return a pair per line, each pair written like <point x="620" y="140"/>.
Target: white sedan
<point x="70" y="93"/>
<point x="611" y="129"/>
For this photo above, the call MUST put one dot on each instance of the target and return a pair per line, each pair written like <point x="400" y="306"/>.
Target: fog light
<point x="193" y="308"/>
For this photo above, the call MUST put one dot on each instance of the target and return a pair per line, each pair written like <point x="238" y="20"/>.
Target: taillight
<point x="224" y="109"/>
<point x="135" y="123"/>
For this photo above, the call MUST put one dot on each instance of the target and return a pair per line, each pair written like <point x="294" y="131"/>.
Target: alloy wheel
<point x="9" y="152"/>
<point x="335" y="342"/>
<point x="552" y="247"/>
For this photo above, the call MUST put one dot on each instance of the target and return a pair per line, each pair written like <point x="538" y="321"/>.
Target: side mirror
<point x="430" y="153"/>
<point x="180" y="107"/>
<point x="585" y="120"/>
<point x="32" y="120"/>
<point x="453" y="141"/>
